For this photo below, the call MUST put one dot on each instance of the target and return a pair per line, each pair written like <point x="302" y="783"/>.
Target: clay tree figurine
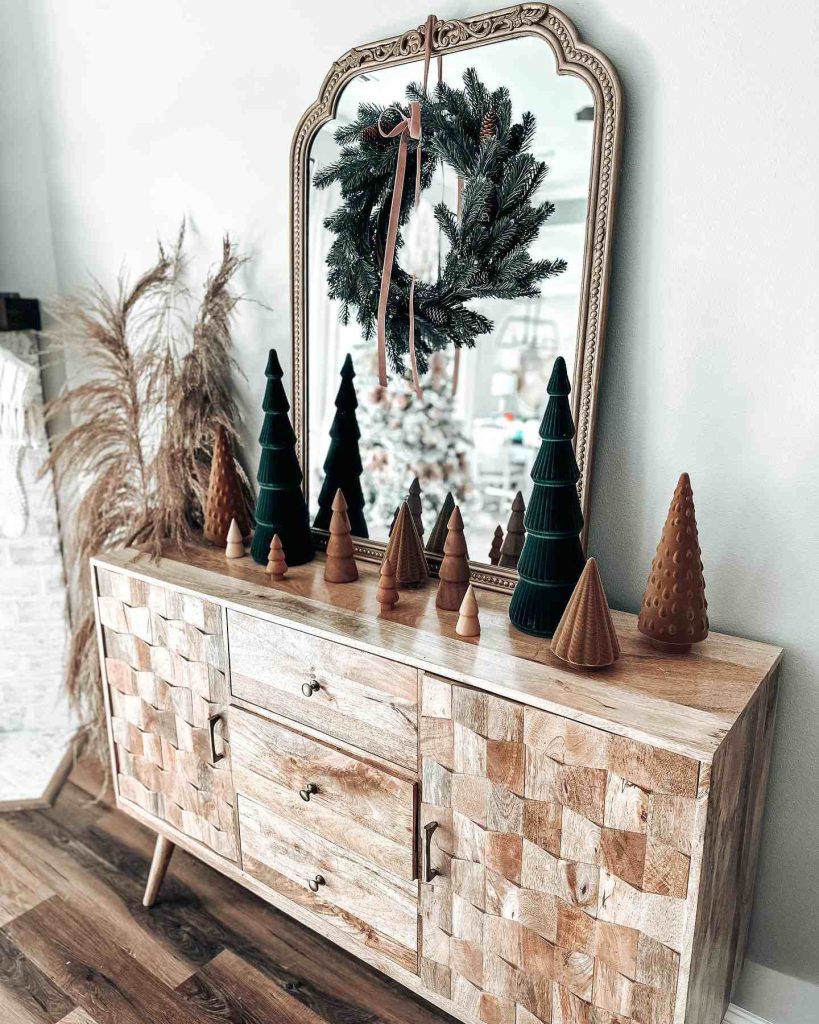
<point x="387" y="590"/>
<point x="552" y="558"/>
<point x="515" y="535"/>
<point x="414" y="502"/>
<point x="276" y="565"/>
<point x="226" y="498"/>
<point x="585" y="635"/>
<point x="340" y="566"/>
<point x="406" y="552"/>
<point x="280" y="507"/>
<point x="454" y="570"/>
<point x="674" y="614"/>
<point x="235" y="547"/>
<point x="497" y="544"/>
<point x="342" y="467"/>
<point x="468" y="623"/>
<point x="436" y="539"/>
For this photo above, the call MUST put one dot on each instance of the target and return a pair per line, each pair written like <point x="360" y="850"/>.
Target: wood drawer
<point x="356" y="805"/>
<point x="361" y="699"/>
<point x="378" y="910"/>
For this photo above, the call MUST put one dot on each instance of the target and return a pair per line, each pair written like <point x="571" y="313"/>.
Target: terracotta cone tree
<point x="234" y="548"/>
<point x="280" y="507"/>
<point x="552" y="558"/>
<point x="674" y="610"/>
<point x="414" y="502"/>
<point x="585" y="635"/>
<point x="276" y="565"/>
<point x="454" y="571"/>
<point x="515" y="535"/>
<point x="406" y="552"/>
<point x="387" y="590"/>
<point x="468" y="623"/>
<point x="340" y="566"/>
<point x="225" y="499"/>
<point x="497" y="544"/>
<point x="437" y="538"/>
<point x="342" y="467"/>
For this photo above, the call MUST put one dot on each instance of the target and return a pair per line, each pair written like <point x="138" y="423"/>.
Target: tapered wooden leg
<point x="159" y="865"/>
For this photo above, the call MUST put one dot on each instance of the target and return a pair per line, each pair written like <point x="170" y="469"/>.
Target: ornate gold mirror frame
<point x="573" y="58"/>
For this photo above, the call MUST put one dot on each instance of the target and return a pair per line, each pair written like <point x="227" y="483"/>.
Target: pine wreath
<point x="472" y="131"/>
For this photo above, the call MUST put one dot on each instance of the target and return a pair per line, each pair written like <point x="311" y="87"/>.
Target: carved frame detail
<point x="574" y="58"/>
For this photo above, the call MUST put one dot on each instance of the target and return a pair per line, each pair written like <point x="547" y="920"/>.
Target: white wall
<point x="161" y="108"/>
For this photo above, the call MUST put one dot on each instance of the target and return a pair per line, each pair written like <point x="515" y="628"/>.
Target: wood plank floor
<point x="78" y="947"/>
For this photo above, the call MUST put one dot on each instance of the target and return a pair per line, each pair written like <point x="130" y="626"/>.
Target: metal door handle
<point x="429" y="871"/>
<point x="213" y="721"/>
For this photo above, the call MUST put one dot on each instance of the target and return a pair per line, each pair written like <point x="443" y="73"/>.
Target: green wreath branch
<point x="471" y="130"/>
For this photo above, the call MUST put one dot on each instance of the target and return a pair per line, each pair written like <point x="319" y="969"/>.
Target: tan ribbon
<point x="407" y="128"/>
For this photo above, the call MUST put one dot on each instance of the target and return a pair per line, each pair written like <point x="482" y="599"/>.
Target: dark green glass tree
<point x="280" y="507"/>
<point x="552" y="557"/>
<point x="342" y="467"/>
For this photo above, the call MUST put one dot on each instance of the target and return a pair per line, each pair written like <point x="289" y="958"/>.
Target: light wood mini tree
<point x="515" y="535"/>
<point x="387" y="590"/>
<point x="340" y="566"/>
<point x="454" y="570"/>
<point x="235" y="547"/>
<point x="468" y="623"/>
<point x="276" y="565"/>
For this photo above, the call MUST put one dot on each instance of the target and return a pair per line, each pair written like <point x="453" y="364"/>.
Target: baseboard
<point x="736" y="1015"/>
<point x="766" y="996"/>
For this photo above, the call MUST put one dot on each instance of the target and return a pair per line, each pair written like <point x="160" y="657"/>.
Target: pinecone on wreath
<point x="371" y="134"/>
<point x="489" y="126"/>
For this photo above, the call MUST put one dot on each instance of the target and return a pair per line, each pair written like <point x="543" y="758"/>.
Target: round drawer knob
<point x="314" y="883"/>
<point x="308" y="689"/>
<point x="308" y="791"/>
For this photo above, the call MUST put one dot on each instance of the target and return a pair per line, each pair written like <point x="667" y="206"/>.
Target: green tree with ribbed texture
<point x="280" y="507"/>
<point x="342" y="467"/>
<point x="552" y="558"/>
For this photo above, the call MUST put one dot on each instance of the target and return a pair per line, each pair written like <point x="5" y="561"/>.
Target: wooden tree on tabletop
<point x="497" y="544"/>
<point x="234" y="547"/>
<point x="468" y="623"/>
<point x="437" y="538"/>
<point x="414" y="502"/>
<point x="585" y="635"/>
<point x="515" y="535"/>
<point x="340" y="566"/>
<point x="276" y="565"/>
<point x="225" y="499"/>
<point x="387" y="590"/>
<point x="674" y="614"/>
<point x="342" y="467"/>
<point x="552" y="558"/>
<point x="280" y="507"/>
<point x="454" y="570"/>
<point x="406" y="552"/>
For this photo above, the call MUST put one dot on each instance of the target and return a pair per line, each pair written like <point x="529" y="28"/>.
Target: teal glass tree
<point x="342" y="467"/>
<point x="280" y="507"/>
<point x="552" y="558"/>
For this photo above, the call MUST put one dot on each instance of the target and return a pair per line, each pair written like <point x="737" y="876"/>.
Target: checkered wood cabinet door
<point x="165" y="667"/>
<point x="566" y="859"/>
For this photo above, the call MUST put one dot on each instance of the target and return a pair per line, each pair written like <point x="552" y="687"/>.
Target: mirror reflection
<point x="473" y="429"/>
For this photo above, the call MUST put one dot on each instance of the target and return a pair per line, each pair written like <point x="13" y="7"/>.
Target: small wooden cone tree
<point x="225" y="499"/>
<point x="437" y="538"/>
<point x="340" y="566"/>
<point x="673" y="614"/>
<point x="468" y="623"/>
<point x="515" y="535"/>
<point x="585" y="635"/>
<point x="387" y="590"/>
<point x="414" y="502"/>
<point x="454" y="570"/>
<point x="276" y="565"/>
<point x="235" y="547"/>
<point x="497" y="544"/>
<point x="406" y="552"/>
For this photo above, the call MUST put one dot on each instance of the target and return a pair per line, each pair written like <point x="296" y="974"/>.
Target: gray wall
<point x="124" y="116"/>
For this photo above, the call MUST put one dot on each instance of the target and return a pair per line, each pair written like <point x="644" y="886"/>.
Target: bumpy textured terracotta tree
<point x="515" y="535"/>
<point x="437" y="538"/>
<point x="454" y="570"/>
<point x="280" y="507"/>
<point x="387" y="590"/>
<point x="552" y="557"/>
<point x="673" y="614"/>
<point x="497" y="544"/>
<point x="225" y="499"/>
<point x="406" y="552"/>
<point x="276" y="565"/>
<point x="342" y="467"/>
<point x="340" y="566"/>
<point x="585" y="635"/>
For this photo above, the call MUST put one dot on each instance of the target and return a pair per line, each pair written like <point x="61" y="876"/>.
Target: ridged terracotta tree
<point x="339" y="566"/>
<point x="280" y="507"/>
<point x="225" y="499"/>
<point x="342" y="467"/>
<point x="454" y="571"/>
<point x="674" y="610"/>
<point x="515" y="535"/>
<point x="552" y="557"/>
<point x="585" y="635"/>
<point x="437" y="538"/>
<point x="406" y="552"/>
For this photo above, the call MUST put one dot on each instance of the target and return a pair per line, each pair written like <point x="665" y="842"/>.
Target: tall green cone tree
<point x="280" y="507"/>
<point x="342" y="467"/>
<point x="552" y="558"/>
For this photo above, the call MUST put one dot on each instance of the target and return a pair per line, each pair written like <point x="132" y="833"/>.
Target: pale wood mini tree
<point x="497" y="544"/>
<point x="515" y="535"/>
<point x="454" y="570"/>
<point x="276" y="565"/>
<point x="339" y="566"/>
<point x="468" y="623"/>
<point x="387" y="590"/>
<point x="235" y="547"/>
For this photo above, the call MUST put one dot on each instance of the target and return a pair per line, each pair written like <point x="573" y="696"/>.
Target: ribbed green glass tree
<point x="280" y="507"/>
<point x="342" y="467"/>
<point x="552" y="557"/>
